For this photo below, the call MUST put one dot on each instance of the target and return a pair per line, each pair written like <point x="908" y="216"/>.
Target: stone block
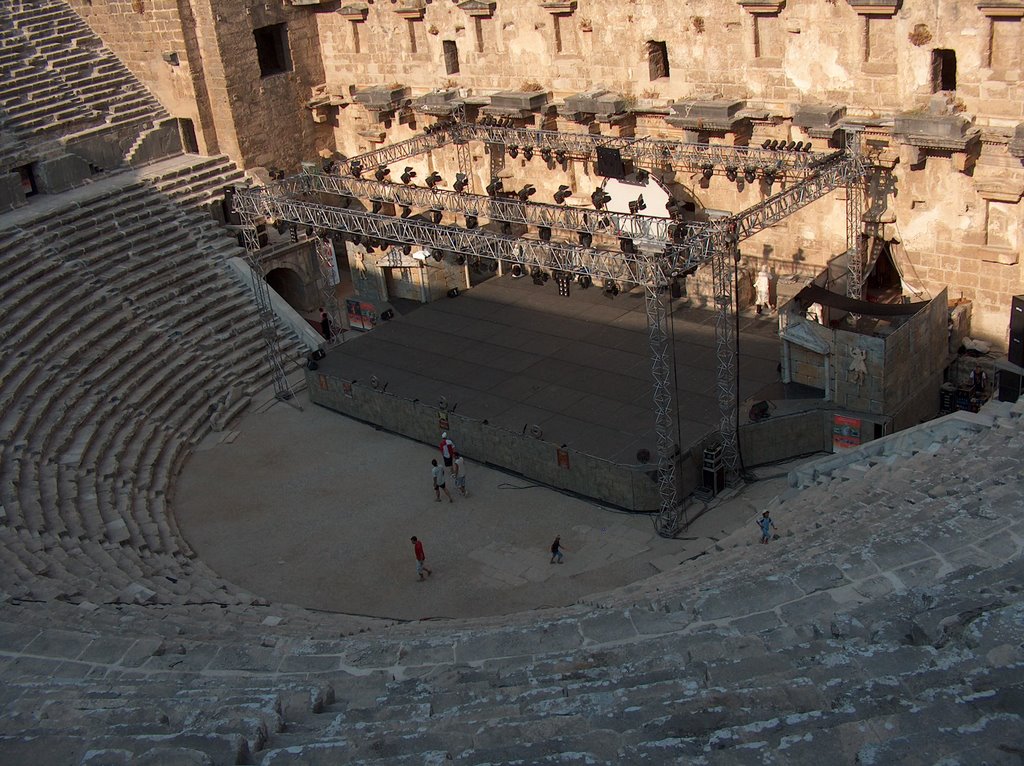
<point x="1017" y="143"/>
<point x="60" y="174"/>
<point x="11" y="193"/>
<point x="521" y="101"/>
<point x="438" y="102"/>
<point x="940" y="131"/>
<point x="380" y="99"/>
<point x="818" y="117"/>
<point x="157" y="143"/>
<point x="601" y="103"/>
<point x="715" y="114"/>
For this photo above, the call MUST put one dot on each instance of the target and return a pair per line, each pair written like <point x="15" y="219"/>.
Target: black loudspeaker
<point x="311" y="365"/>
<point x="1009" y="385"/>
<point x="609" y="163"/>
<point x="1015" y="355"/>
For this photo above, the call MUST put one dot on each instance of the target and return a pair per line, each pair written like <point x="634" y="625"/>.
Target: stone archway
<point x="289" y="284"/>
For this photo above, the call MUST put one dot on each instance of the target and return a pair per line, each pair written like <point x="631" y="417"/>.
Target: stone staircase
<point x="60" y="81"/>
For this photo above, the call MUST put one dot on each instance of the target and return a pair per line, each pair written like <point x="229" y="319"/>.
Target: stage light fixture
<point x="626" y="245"/>
<point x="707" y="170"/>
<point x="545" y="233"/>
<point x="437" y="255"/>
<point x="564" y="281"/>
<point x="453" y="293"/>
<point x="328" y="166"/>
<point x="545" y="154"/>
<point x="526" y="192"/>
<point x="472" y="222"/>
<point x="461" y="182"/>
<point x="732" y="172"/>
<point x="642" y="176"/>
<point x="376" y="205"/>
<point x="516" y="271"/>
<point x="460" y="259"/>
<point x="355" y="168"/>
<point x="293" y="233"/>
<point x="537" y="275"/>
<point x="436" y="215"/>
<point x="586" y="238"/>
<point x="766" y="144"/>
<point x="600" y="198"/>
<point x="528" y="152"/>
<point x="769" y="176"/>
<point x="407" y="175"/>
<point x="584" y="281"/>
<point x="387" y="315"/>
<point x="750" y="173"/>
<point x="791" y="146"/>
<point x="610" y="288"/>
<point x="406" y="249"/>
<point x="381" y="173"/>
<point x="637" y="205"/>
<point x="513" y="151"/>
<point x="561" y="156"/>
<point x="309" y="231"/>
<point x="672" y="207"/>
<point x="406" y="211"/>
<point x="506" y="228"/>
<point x="495" y="187"/>
<point x="563" y="193"/>
<point x="433" y="180"/>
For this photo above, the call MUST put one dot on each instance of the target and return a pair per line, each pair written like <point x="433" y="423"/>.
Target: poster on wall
<point x="361" y="316"/>
<point x="845" y="432"/>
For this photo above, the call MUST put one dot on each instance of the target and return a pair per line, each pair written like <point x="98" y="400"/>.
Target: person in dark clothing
<point x="556" y="550"/>
<point x="325" y="325"/>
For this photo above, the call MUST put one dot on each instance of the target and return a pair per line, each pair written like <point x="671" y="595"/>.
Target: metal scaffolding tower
<point x="855" y="205"/>
<point x="666" y="248"/>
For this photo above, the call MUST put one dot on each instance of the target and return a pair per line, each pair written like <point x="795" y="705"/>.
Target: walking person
<point x="421" y="559"/>
<point x="438" y="473"/>
<point x="448" y="453"/>
<point x="459" y="472"/>
<point x="767" y="525"/>
<point x="325" y="324"/>
<point x="556" y="550"/>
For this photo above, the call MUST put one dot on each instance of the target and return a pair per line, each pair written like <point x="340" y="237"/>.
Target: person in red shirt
<point x="421" y="558"/>
<point x="448" y="453"/>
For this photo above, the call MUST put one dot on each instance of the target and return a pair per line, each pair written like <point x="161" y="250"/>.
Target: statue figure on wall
<point x="762" y="290"/>
<point x="815" y="313"/>
<point x="858" y="366"/>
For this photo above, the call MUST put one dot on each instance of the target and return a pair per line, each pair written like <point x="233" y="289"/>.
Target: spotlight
<point x="774" y="145"/>
<point x="528" y="152"/>
<point x="355" y="168"/>
<point x="437" y="255"/>
<point x="563" y="280"/>
<point x="538" y="276"/>
<point x="516" y="271"/>
<point x="432" y="180"/>
<point x="642" y="176"/>
<point x="791" y="146"/>
<point x="545" y="233"/>
<point x="406" y="249"/>
<point x="584" y="281"/>
<point x="406" y="211"/>
<point x="471" y="222"/>
<point x="769" y="176"/>
<point x="637" y="205"/>
<point x="563" y="193"/>
<point x="561" y="156"/>
<point x="731" y="172"/>
<point x="586" y="238"/>
<point x="407" y="175"/>
<point x="387" y="315"/>
<point x="526" y="192"/>
<point x="672" y="207"/>
<point x="513" y="151"/>
<point x="328" y="166"/>
<point x="626" y="245"/>
<point x="436" y="215"/>
<point x="766" y="144"/>
<point x="461" y="182"/>
<point x="545" y="154"/>
<point x="707" y="170"/>
<point x="610" y="289"/>
<point x="750" y="173"/>
<point x="381" y="173"/>
<point x="495" y="187"/>
<point x="600" y="198"/>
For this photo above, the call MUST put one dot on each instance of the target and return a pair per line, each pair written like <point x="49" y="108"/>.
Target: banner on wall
<point x="845" y="432"/>
<point x="361" y="316"/>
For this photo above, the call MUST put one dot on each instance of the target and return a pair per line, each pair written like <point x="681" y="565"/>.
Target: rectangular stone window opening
<point x="28" y="180"/>
<point x="451" y="56"/>
<point x="355" y="37"/>
<point x="272" y="49"/>
<point x="943" y="70"/>
<point x="657" y="59"/>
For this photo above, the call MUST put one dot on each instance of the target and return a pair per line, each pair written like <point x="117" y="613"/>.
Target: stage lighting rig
<point x="707" y="170"/>
<point x="563" y="193"/>
<point x="637" y="205"/>
<point x="381" y="173"/>
<point x="642" y="176"/>
<point x="586" y="238"/>
<point x="432" y="180"/>
<point x="526" y="192"/>
<point x="626" y="245"/>
<point x="436" y="215"/>
<point x="516" y="271"/>
<point x="563" y="280"/>
<point x="767" y="143"/>
<point x="407" y="175"/>
<point x="472" y="222"/>
<point x="539" y="277"/>
<point x="545" y="154"/>
<point x="461" y="182"/>
<point x="584" y="281"/>
<point x="495" y="187"/>
<point x="750" y="173"/>
<point x="355" y="168"/>
<point x="561" y="156"/>
<point x="406" y="211"/>
<point x="600" y="198"/>
<point x="732" y="172"/>
<point x="528" y="152"/>
<point x="610" y="288"/>
<point x="513" y="151"/>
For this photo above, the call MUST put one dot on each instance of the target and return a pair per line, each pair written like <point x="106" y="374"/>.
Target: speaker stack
<point x="1016" y="352"/>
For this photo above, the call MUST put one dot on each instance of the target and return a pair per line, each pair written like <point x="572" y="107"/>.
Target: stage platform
<point x="571" y="373"/>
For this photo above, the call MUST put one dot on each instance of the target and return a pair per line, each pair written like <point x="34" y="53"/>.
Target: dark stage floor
<point x="518" y="355"/>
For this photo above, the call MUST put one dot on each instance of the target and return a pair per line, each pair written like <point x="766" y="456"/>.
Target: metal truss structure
<point x="663" y="248"/>
<point x="855" y="205"/>
<point x="261" y="290"/>
<point x="327" y="279"/>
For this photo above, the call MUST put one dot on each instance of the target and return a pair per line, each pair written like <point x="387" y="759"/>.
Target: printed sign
<point x="563" y="458"/>
<point x="845" y="432"/>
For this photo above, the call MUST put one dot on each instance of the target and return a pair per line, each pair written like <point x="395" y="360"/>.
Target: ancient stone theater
<point x="725" y="296"/>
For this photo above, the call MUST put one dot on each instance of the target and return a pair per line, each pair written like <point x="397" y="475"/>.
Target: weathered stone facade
<point x="936" y="87"/>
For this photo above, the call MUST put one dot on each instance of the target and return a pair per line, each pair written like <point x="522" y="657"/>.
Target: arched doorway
<point x="289" y="285"/>
<point x="883" y="283"/>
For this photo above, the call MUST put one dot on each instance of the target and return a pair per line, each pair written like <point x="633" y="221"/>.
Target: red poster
<point x="563" y="458"/>
<point x="845" y="432"/>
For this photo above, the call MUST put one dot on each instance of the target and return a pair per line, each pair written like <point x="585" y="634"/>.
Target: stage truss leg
<point x="465" y="161"/>
<point x="327" y="282"/>
<point x="854" y="223"/>
<point x="261" y="291"/>
<point x="723" y="265"/>
<point x="497" y="156"/>
<point x="669" y="523"/>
